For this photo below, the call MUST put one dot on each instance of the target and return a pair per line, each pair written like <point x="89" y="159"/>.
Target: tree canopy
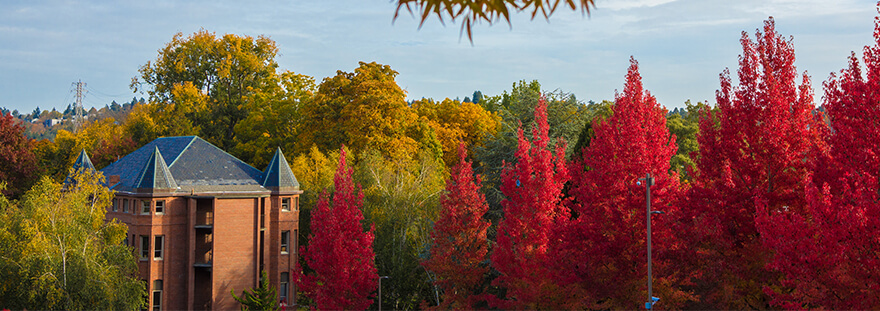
<point x="205" y="82"/>
<point x="18" y="164"/>
<point x="61" y="254"/>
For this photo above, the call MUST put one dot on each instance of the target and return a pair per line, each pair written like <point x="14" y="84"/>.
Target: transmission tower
<point x="78" y="108"/>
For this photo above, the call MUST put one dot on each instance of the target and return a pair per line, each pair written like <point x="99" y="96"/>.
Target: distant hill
<point x="45" y="124"/>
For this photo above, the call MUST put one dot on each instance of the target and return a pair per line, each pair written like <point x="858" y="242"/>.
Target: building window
<point x="285" y="241"/>
<point x="115" y="205"/>
<point x="283" y="288"/>
<point x="145" y="207"/>
<point x="145" y="247"/>
<point x="158" y="247"/>
<point x="125" y="205"/>
<point x="157" y="295"/>
<point x="296" y="205"/>
<point x="285" y="204"/>
<point x="125" y="240"/>
<point x="160" y="207"/>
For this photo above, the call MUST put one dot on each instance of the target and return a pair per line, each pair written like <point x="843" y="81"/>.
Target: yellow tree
<point x="457" y="122"/>
<point x="60" y="253"/>
<point x="364" y="109"/>
<point x="204" y="81"/>
<point x="315" y="171"/>
<point x="273" y="119"/>
<point x="105" y="140"/>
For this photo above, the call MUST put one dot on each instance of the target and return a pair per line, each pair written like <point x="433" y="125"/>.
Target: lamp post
<point x="380" y="290"/>
<point x="649" y="181"/>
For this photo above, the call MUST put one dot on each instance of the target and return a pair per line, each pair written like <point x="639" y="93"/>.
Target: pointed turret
<point x="155" y="174"/>
<point x="83" y="163"/>
<point x="278" y="174"/>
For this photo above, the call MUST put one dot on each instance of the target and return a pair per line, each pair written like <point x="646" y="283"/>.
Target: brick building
<point x="204" y="223"/>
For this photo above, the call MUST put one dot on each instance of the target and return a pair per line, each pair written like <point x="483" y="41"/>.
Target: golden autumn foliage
<point x="364" y="109"/>
<point x="457" y="122"/>
<point x="204" y="82"/>
<point x="274" y="118"/>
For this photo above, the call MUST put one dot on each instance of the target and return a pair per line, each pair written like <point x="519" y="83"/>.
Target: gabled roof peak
<point x="155" y="174"/>
<point x="278" y="174"/>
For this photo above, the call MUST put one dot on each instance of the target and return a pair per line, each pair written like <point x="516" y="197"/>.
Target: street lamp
<point x="649" y="181"/>
<point x="380" y="290"/>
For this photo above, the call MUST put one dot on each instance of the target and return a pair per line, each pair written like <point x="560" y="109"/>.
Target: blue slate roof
<point x="192" y="163"/>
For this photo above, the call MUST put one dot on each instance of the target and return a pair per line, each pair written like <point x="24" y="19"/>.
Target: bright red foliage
<point x="759" y="147"/>
<point x="602" y="252"/>
<point x="460" y="244"/>
<point x="339" y="251"/>
<point x="533" y="188"/>
<point x="18" y="164"/>
<point x="829" y="255"/>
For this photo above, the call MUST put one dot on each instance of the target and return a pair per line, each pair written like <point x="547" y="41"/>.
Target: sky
<point x="681" y="45"/>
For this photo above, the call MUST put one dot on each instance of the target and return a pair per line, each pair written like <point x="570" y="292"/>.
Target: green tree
<point x="203" y="82"/>
<point x="59" y="252"/>
<point x="402" y="199"/>
<point x="274" y="118"/>
<point x="260" y="298"/>
<point x="565" y="115"/>
<point x="597" y="112"/>
<point x="685" y="124"/>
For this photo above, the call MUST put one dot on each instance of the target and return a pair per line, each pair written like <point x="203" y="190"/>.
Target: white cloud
<point x="617" y="5"/>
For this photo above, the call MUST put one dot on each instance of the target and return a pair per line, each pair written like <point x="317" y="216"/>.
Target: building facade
<point x="203" y="223"/>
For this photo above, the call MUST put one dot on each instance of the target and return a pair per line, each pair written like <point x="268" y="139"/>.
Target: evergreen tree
<point x="260" y="298"/>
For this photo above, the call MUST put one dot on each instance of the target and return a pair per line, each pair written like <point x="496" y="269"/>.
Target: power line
<point x="93" y="90"/>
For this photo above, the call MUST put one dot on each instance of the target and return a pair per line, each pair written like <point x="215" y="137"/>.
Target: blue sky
<point x="681" y="45"/>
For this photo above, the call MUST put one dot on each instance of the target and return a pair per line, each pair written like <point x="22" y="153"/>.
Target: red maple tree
<point x="602" y="253"/>
<point x="18" y="164"/>
<point x="533" y="204"/>
<point x="460" y="244"/>
<point x="829" y="254"/>
<point x="340" y="252"/>
<point x="756" y="150"/>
